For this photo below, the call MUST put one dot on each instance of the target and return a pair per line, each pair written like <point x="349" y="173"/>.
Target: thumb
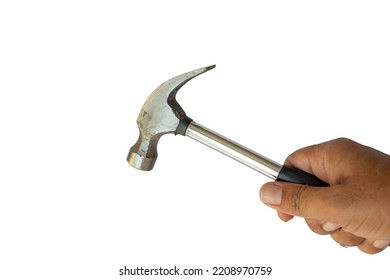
<point x="296" y="200"/>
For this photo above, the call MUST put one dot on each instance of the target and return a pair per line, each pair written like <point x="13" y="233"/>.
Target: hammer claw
<point x="160" y="114"/>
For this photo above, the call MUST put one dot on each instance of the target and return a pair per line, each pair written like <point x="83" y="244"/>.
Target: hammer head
<point x="161" y="114"/>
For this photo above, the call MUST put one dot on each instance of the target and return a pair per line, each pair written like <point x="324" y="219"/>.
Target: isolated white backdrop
<point x="73" y="77"/>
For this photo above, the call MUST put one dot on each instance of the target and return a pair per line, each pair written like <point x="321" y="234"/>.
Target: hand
<point x="355" y="209"/>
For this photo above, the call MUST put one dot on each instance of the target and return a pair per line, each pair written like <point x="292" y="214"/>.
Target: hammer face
<point x="161" y="114"/>
<point x="140" y="162"/>
<point x="143" y="154"/>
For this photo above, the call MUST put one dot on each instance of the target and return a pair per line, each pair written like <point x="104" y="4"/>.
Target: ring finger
<point x="346" y="239"/>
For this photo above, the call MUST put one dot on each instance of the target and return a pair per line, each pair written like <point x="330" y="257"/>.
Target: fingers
<point x="338" y="234"/>
<point x="296" y="200"/>
<point x="288" y="203"/>
<point x="285" y="217"/>
<point x="317" y="226"/>
<point x="346" y="239"/>
<point x="373" y="247"/>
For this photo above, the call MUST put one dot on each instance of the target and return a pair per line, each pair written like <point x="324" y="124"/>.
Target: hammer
<point x="162" y="114"/>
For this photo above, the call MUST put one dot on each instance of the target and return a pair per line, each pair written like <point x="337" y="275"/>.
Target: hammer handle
<point x="256" y="161"/>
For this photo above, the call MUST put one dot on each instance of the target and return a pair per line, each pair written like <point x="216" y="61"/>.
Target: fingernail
<point x="271" y="194"/>
<point x="380" y="244"/>
<point x="328" y="226"/>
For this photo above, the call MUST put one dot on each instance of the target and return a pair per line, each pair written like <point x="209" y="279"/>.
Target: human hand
<point x="355" y="209"/>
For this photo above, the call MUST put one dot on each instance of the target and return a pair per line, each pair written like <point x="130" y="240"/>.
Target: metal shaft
<point x="234" y="150"/>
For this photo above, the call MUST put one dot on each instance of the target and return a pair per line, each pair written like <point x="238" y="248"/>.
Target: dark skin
<point x="355" y="210"/>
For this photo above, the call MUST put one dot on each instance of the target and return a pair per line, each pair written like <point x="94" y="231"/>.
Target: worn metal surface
<point x="160" y="114"/>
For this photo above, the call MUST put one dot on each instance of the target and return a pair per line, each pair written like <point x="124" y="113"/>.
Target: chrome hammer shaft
<point x="234" y="150"/>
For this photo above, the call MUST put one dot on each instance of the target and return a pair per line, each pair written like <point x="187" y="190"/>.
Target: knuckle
<point x="297" y="198"/>
<point x="316" y="226"/>
<point x="346" y="239"/>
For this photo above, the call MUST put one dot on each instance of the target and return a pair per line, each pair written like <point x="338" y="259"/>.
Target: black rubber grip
<point x="288" y="174"/>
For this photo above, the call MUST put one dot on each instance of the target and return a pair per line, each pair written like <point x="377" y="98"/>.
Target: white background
<point x="73" y="77"/>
